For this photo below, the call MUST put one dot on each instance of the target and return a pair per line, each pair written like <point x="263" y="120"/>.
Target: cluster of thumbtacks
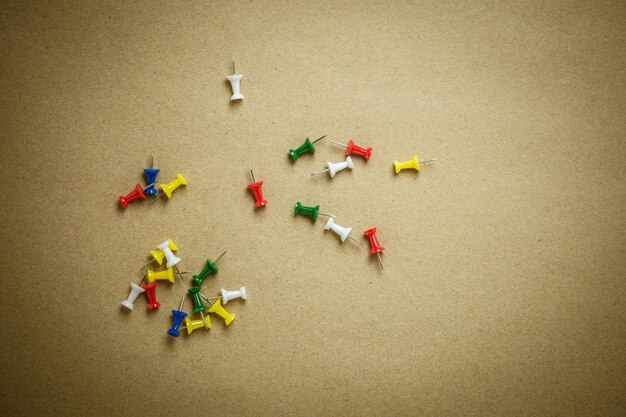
<point x="166" y="249"/>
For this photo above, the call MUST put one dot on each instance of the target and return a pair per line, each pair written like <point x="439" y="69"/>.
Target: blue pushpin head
<point x="178" y="315"/>
<point x="151" y="174"/>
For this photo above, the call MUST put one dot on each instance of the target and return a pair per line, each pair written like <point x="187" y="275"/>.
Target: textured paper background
<point x="503" y="292"/>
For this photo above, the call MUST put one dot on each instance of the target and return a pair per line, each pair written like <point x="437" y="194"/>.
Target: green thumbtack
<point x="210" y="268"/>
<point x="307" y="146"/>
<point x="311" y="212"/>
<point x="197" y="302"/>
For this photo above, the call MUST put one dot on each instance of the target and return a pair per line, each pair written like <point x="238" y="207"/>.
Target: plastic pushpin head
<point x="151" y="293"/>
<point x="151" y="175"/>
<point x="334" y="168"/>
<point x="375" y="246"/>
<point x="133" y="195"/>
<point x="311" y="212"/>
<point x="170" y="187"/>
<point x="306" y="147"/>
<point x="221" y="311"/>
<point x="135" y="290"/>
<point x="209" y="268"/>
<point x="343" y="232"/>
<point x="257" y="191"/>
<point x="157" y="255"/>
<point x="197" y="302"/>
<point x="231" y="295"/>
<point x="177" y="317"/>
<point x="353" y="149"/>
<point x="412" y="163"/>
<point x="167" y="251"/>
<point x="192" y="325"/>
<point x="235" y="81"/>
<point x="168" y="274"/>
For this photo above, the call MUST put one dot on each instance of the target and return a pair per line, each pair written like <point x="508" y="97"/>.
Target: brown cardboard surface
<point x="503" y="292"/>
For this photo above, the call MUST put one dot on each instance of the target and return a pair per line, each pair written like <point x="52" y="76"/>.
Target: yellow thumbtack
<point x="220" y="311"/>
<point x="168" y="274"/>
<point x="170" y="187"/>
<point x="192" y="325"/>
<point x="412" y="163"/>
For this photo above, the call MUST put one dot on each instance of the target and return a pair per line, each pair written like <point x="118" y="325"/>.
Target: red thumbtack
<point x="151" y="293"/>
<point x="257" y="191"/>
<point x="375" y="246"/>
<point x="353" y="149"/>
<point x="138" y="192"/>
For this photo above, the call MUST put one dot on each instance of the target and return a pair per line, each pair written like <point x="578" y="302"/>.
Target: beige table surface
<point x="503" y="291"/>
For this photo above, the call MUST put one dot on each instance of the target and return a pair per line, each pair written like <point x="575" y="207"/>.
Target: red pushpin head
<point x="375" y="246"/>
<point x="133" y="195"/>
<point x="257" y="191"/>
<point x="151" y="293"/>
<point x="353" y="149"/>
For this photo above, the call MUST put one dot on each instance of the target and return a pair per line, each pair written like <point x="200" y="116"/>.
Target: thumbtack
<point x="306" y="147"/>
<point x="228" y="295"/>
<point x="210" y="268"/>
<point x="343" y="232"/>
<point x="151" y="293"/>
<point x="197" y="302"/>
<point x="221" y="311"/>
<point x="311" y="212"/>
<point x="158" y="255"/>
<point x="257" y="191"/>
<point x="170" y="187"/>
<point x="168" y="274"/>
<point x="412" y="163"/>
<point x="235" y="80"/>
<point x="334" y="168"/>
<point x="352" y="148"/>
<point x="177" y="317"/>
<point x="192" y="325"/>
<point x="151" y="175"/>
<point x="375" y="246"/>
<point x="172" y="259"/>
<point x="135" y="290"/>
<point x="138" y="192"/>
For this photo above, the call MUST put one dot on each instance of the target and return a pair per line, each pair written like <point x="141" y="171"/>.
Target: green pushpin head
<point x="197" y="302"/>
<point x="311" y="212"/>
<point x="307" y="146"/>
<point x="210" y="268"/>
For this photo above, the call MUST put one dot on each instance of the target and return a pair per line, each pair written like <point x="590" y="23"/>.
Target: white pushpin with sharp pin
<point x="235" y="80"/>
<point x="343" y="232"/>
<point x="334" y="168"/>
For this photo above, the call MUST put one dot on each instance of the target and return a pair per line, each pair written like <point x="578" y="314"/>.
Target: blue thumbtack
<point x="179" y="315"/>
<point x="151" y="174"/>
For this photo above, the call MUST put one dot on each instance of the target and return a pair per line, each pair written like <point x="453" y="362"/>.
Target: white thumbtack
<point x="172" y="259"/>
<point x="235" y="80"/>
<point x="343" y="232"/>
<point x="135" y="290"/>
<point x="334" y="168"/>
<point x="230" y="295"/>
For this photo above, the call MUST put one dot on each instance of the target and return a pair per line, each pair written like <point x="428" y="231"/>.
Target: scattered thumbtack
<point x="151" y="293"/>
<point x="135" y="290"/>
<point x="412" y="163"/>
<point x="228" y="295"/>
<point x="172" y="259"/>
<point x="334" y="168"/>
<point x="221" y="311"/>
<point x="170" y="187"/>
<point x="375" y="246"/>
<point x="209" y="268"/>
<point x="198" y="305"/>
<point x="257" y="191"/>
<point x="306" y="147"/>
<point x="311" y="212"/>
<point x="235" y="80"/>
<point x="343" y="232"/>
<point x="177" y="317"/>
<point x="168" y="274"/>
<point x="158" y="255"/>
<point x="138" y="192"/>
<point x="151" y="176"/>
<point x="353" y="149"/>
<point x="192" y="325"/>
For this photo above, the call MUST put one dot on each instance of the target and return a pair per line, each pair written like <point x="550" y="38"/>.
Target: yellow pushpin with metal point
<point x="412" y="163"/>
<point x="192" y="325"/>
<point x="221" y="311"/>
<point x="168" y="274"/>
<point x="170" y="187"/>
